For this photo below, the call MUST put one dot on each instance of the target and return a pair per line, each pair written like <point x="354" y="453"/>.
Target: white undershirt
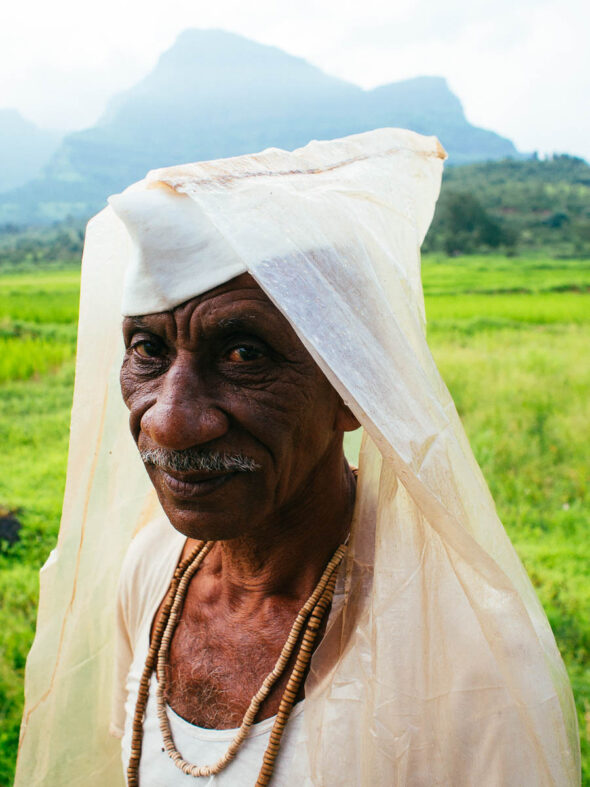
<point x="203" y="746"/>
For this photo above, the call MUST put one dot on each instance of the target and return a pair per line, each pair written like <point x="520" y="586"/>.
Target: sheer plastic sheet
<point x="64" y="732"/>
<point x="439" y="666"/>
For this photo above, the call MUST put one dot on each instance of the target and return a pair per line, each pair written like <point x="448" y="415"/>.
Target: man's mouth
<point x="186" y="486"/>
<point x="194" y="472"/>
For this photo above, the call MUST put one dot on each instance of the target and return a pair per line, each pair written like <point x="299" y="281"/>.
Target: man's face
<point x="224" y="373"/>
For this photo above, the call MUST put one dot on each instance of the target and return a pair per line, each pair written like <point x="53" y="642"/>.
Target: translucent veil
<point x="439" y="666"/>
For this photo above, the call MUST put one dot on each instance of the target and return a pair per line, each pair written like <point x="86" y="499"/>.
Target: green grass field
<point x="511" y="338"/>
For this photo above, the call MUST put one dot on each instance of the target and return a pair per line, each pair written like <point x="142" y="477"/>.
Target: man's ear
<point x="345" y="420"/>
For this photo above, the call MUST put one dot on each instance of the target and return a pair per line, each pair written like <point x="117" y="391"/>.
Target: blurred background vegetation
<point x="516" y="207"/>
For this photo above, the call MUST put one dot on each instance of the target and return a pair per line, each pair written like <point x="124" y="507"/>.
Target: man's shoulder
<point x="151" y="543"/>
<point x="146" y="572"/>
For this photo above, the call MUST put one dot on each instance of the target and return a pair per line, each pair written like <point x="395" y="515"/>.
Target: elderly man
<point x="241" y="434"/>
<point x="280" y="621"/>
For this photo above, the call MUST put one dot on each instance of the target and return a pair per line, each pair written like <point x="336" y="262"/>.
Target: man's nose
<point x="184" y="414"/>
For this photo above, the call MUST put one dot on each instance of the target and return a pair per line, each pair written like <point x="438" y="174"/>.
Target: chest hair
<point x="217" y="663"/>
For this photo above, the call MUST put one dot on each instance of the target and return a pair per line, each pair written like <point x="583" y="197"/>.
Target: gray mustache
<point x="192" y="459"/>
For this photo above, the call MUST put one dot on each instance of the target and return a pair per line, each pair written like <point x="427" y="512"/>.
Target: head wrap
<point x="439" y="665"/>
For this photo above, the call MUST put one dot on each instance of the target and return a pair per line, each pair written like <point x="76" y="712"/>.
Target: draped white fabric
<point x="446" y="670"/>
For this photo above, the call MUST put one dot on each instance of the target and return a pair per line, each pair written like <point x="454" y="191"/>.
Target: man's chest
<point x="216" y="666"/>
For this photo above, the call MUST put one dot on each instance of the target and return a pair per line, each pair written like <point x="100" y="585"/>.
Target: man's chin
<point x="203" y="525"/>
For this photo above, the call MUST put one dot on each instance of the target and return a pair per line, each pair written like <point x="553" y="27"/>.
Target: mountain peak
<point x="12" y="119"/>
<point x="24" y="148"/>
<point x="215" y="94"/>
<point x="197" y="47"/>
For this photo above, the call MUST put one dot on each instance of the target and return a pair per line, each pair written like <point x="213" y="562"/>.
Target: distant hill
<point x="216" y="94"/>
<point x="514" y="206"/>
<point x="24" y="149"/>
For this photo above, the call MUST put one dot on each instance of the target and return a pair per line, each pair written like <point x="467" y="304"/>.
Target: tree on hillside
<point x="462" y="226"/>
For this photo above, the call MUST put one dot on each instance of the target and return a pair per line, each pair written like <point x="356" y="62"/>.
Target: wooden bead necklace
<point x="310" y="617"/>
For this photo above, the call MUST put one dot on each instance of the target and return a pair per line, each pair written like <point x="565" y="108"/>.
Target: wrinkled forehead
<point x="237" y="306"/>
<point x="240" y="295"/>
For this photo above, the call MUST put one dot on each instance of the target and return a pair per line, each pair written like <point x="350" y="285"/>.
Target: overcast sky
<point x="520" y="67"/>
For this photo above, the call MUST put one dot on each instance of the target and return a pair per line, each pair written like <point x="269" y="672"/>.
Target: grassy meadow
<point x="511" y="337"/>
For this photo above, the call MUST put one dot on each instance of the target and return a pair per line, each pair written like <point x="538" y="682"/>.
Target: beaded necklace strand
<point x="199" y="551"/>
<point x="310" y="616"/>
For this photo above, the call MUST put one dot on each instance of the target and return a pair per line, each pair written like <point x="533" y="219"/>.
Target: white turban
<point x="439" y="666"/>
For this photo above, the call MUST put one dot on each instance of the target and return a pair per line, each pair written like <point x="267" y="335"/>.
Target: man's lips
<point x="187" y="486"/>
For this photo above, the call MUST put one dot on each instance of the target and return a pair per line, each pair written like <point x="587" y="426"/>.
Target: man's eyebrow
<point x="243" y="323"/>
<point x="135" y="322"/>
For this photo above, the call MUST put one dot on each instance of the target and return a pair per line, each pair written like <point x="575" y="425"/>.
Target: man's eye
<point x="147" y="349"/>
<point x="243" y="354"/>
